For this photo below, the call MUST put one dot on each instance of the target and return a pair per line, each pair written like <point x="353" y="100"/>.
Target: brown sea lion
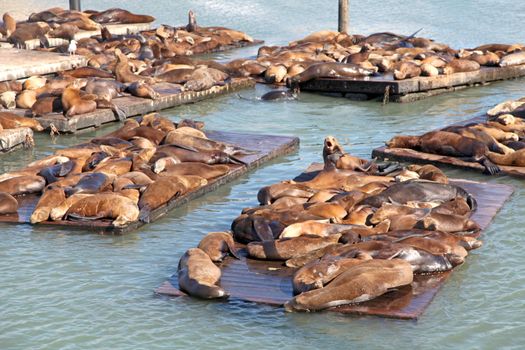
<point x="359" y="283"/>
<point x="516" y="158"/>
<point x="9" y="25"/>
<point x="512" y="59"/>
<point x="73" y="103"/>
<point x="287" y="248"/>
<point x="8" y="99"/>
<point x="50" y="199"/>
<point x="106" y="205"/>
<point x="202" y="156"/>
<point x="142" y="89"/>
<point x="8" y="204"/>
<point x="447" y="144"/>
<point x="407" y="70"/>
<point x="46" y="105"/>
<point x="172" y="136"/>
<point x="11" y="121"/>
<point x="117" y="15"/>
<point x="317" y="274"/>
<point x="191" y="168"/>
<point x="11" y="85"/>
<point x="217" y="245"/>
<point x="26" y="99"/>
<point x="429" y="172"/>
<point x="461" y="65"/>
<point x="268" y="194"/>
<point x="88" y="72"/>
<point x="23" y="185"/>
<point x="198" y="276"/>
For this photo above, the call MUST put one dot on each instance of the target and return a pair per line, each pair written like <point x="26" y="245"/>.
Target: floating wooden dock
<point x="270" y="282"/>
<point x="413" y="156"/>
<point x="170" y="96"/>
<point x="19" y="63"/>
<point x="266" y="146"/>
<point x="11" y="139"/>
<point x="410" y="90"/>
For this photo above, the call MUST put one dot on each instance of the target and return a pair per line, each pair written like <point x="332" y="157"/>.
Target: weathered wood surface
<point x="413" y="156"/>
<point x="18" y="63"/>
<point x="11" y="139"/>
<point x="266" y="146"/>
<point x="132" y="106"/>
<point x="409" y="90"/>
<point x="270" y="282"/>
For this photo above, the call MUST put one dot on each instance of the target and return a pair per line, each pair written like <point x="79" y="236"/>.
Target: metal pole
<point x="343" y="16"/>
<point x="74" y="5"/>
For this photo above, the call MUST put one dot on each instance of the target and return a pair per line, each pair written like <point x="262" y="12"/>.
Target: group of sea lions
<point x="498" y="141"/>
<point x="122" y="176"/>
<point x="353" y="232"/>
<point x="329" y="54"/>
<point x="57" y="22"/>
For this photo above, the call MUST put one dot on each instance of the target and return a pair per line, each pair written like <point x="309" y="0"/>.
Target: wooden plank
<point x="267" y="147"/>
<point x="17" y="64"/>
<point x="413" y="156"/>
<point x="398" y="88"/>
<point x="269" y="282"/>
<point x="11" y="139"/>
<point x="132" y="106"/>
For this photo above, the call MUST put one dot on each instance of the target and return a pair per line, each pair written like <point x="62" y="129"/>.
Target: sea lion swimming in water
<point x="198" y="276"/>
<point x="280" y="95"/>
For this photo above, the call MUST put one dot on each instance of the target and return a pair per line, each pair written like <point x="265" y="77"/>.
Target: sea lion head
<point x="506" y="119"/>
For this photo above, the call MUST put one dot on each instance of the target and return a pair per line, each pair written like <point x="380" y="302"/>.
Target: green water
<point x="76" y="290"/>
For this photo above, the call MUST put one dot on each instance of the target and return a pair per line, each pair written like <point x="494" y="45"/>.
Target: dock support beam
<point x="343" y="16"/>
<point x="74" y="5"/>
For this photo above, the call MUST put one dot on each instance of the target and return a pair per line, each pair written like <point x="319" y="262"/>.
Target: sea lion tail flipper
<point x="233" y="250"/>
<point x="235" y="160"/>
<point x="44" y="43"/>
<point x="144" y="214"/>
<point x="244" y="98"/>
<point x="187" y="148"/>
<point x="119" y="112"/>
<point x="413" y="34"/>
<point x="490" y="168"/>
<point x="262" y="229"/>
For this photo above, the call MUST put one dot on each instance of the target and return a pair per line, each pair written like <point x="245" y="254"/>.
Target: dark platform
<point x="410" y="155"/>
<point x="270" y="282"/>
<point x="410" y="90"/>
<point x="268" y="147"/>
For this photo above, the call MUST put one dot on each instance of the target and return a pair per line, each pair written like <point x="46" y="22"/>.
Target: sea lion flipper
<point x="235" y="160"/>
<point x="144" y="214"/>
<point x="233" y="250"/>
<point x="262" y="229"/>
<point x="79" y="217"/>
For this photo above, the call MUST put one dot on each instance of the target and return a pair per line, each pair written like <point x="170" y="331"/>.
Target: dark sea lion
<point x="50" y="199"/>
<point x="329" y="70"/>
<point x="288" y="248"/>
<point x="117" y="15"/>
<point x="51" y="173"/>
<point x="359" y="283"/>
<point x="317" y="274"/>
<point x="23" y="185"/>
<point x="203" y="156"/>
<point x="217" y="245"/>
<point x="420" y="191"/>
<point x="279" y="95"/>
<point x="29" y="31"/>
<point x="91" y="183"/>
<point x="8" y="204"/>
<point x="447" y="144"/>
<point x="65" y="31"/>
<point x="105" y="205"/>
<point x="198" y="276"/>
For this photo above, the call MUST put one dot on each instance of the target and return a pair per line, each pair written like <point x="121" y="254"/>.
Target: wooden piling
<point x="343" y="16"/>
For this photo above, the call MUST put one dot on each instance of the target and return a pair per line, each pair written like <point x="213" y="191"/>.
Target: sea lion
<point x="191" y="168"/>
<point x="421" y="191"/>
<point x="447" y="144"/>
<point x="268" y="194"/>
<point x="512" y="59"/>
<point x="280" y="95"/>
<point x="73" y="103"/>
<point x="461" y="65"/>
<point x="202" y="156"/>
<point x="217" y="245"/>
<point x="204" y="78"/>
<point x="8" y="99"/>
<point x="34" y="82"/>
<point x="359" y="283"/>
<point x="46" y="105"/>
<point x="88" y="72"/>
<point x="52" y="172"/>
<point x="516" y="158"/>
<point x="26" y="99"/>
<point x="8" y="204"/>
<point x="407" y="70"/>
<point x="429" y="172"/>
<point x="287" y="248"/>
<point x="50" y="199"/>
<point x="317" y="274"/>
<point x="9" y="25"/>
<point x="142" y="89"/>
<point x="172" y="136"/>
<point x="117" y="15"/>
<point x="11" y="85"/>
<point x="198" y="276"/>
<point x="90" y="183"/>
<point x="106" y="205"/>
<point x="275" y="73"/>
<point x="23" y="185"/>
<point x="329" y="70"/>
